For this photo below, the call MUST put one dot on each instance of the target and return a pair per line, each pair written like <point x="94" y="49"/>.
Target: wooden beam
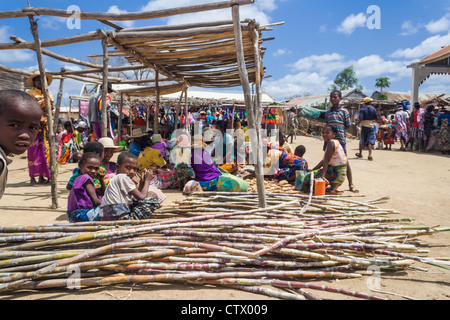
<point x="105" y="88"/>
<point x="111" y="24"/>
<point x="122" y="16"/>
<point x="142" y="59"/>
<point x="48" y="105"/>
<point x="53" y="42"/>
<point x="155" y="117"/>
<point x="60" y="57"/>
<point x="58" y="104"/>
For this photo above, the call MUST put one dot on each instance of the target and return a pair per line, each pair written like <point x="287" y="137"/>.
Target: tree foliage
<point x="345" y="80"/>
<point x="382" y="83"/>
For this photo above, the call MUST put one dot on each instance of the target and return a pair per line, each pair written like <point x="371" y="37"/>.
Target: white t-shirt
<point x="118" y="190"/>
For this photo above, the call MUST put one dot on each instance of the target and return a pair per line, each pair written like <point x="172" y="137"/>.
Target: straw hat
<point x="108" y="143"/>
<point x="37" y="74"/>
<point x="184" y="141"/>
<point x="138" y="132"/>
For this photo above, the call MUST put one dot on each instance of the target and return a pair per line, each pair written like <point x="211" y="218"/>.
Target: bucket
<point x="319" y="188"/>
<point x="299" y="178"/>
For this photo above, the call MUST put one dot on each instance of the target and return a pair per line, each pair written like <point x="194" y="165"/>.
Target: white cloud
<point x="427" y="47"/>
<point x="323" y="64"/>
<point x="351" y="23"/>
<point x="116" y="9"/>
<point x="375" y="66"/>
<point x="9" y="56"/>
<point x="316" y="73"/>
<point x="296" y="84"/>
<point x="441" y="25"/>
<point x="408" y="28"/>
<point x="436" y="84"/>
<point x="281" y="52"/>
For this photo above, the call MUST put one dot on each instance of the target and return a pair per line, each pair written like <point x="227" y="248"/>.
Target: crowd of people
<point x="148" y="163"/>
<point x="423" y="129"/>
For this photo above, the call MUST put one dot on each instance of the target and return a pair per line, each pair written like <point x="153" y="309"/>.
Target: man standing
<point x="292" y="123"/>
<point x="94" y="112"/>
<point x="367" y="120"/>
<point x="339" y="117"/>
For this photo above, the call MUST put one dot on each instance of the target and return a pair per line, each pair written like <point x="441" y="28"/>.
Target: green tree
<point x="345" y="80"/>
<point x="382" y="83"/>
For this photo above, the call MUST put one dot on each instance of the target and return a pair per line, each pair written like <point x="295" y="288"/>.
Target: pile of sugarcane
<point x="221" y="239"/>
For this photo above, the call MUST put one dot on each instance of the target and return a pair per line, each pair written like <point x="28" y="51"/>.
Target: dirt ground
<point x="418" y="185"/>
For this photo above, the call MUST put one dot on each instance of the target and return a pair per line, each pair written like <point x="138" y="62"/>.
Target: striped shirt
<point x="340" y="118"/>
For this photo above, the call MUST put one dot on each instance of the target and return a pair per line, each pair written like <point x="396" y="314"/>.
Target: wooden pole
<point x="119" y="126"/>
<point x="105" y="87"/>
<point x="155" y="118"/>
<point x="186" y="111"/>
<point x="144" y="15"/>
<point x="48" y="105"/>
<point x="256" y="146"/>
<point x="58" y="104"/>
<point x="178" y="108"/>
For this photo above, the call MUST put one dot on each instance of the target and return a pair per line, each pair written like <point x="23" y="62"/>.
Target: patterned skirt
<point x="335" y="175"/>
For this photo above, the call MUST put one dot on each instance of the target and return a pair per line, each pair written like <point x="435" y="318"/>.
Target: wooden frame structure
<point x="210" y="55"/>
<point x="436" y="63"/>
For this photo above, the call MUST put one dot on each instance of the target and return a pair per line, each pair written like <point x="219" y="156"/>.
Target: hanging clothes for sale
<point x="279" y="117"/>
<point x="140" y="115"/>
<point x="271" y="115"/>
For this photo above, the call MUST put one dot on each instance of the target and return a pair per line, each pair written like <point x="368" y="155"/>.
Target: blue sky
<point x="318" y="39"/>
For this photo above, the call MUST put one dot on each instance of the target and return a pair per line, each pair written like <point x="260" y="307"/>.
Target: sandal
<point x="370" y="158"/>
<point x="352" y="189"/>
<point x="359" y="155"/>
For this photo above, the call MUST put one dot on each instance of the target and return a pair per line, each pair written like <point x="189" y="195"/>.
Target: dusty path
<point x="418" y="185"/>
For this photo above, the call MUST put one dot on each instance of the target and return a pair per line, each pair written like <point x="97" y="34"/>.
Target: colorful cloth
<point x="150" y="158"/>
<point x="339" y="157"/>
<point x="142" y="209"/>
<point x="231" y="183"/>
<point x="335" y="175"/>
<point x="210" y="185"/>
<point x="203" y="166"/>
<point x="388" y="134"/>
<point x="76" y="174"/>
<point x="283" y="165"/>
<point x="167" y="179"/>
<point x="183" y="171"/>
<point x="83" y="215"/>
<point x="37" y="158"/>
<point x="78" y="197"/>
<point x="400" y="126"/>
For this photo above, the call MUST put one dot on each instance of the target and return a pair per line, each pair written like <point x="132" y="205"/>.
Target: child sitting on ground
<point x="84" y="199"/>
<point x="300" y="152"/>
<point x="109" y="149"/>
<point x="97" y="148"/>
<point x="20" y="116"/>
<point x="118" y="202"/>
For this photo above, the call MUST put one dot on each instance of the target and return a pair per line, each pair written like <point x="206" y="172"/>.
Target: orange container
<point x="319" y="188"/>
